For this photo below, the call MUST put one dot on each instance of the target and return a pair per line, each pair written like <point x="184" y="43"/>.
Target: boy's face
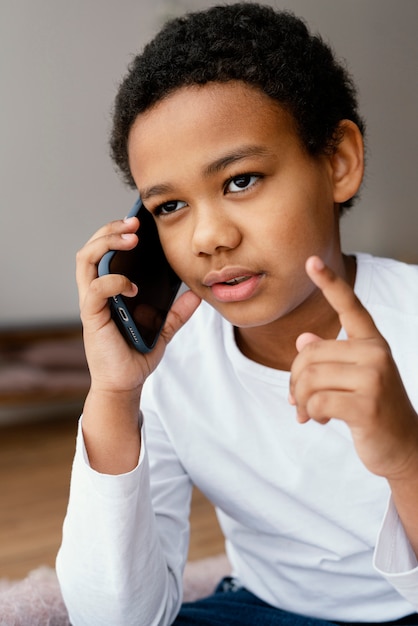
<point x="238" y="202"/>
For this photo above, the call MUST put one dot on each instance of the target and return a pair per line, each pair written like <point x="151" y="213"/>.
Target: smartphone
<point x="141" y="318"/>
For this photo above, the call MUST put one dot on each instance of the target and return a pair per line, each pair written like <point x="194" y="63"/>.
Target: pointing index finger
<point x="354" y="318"/>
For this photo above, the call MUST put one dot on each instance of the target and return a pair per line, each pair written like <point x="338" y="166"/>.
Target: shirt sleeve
<point x="394" y="557"/>
<point x="121" y="561"/>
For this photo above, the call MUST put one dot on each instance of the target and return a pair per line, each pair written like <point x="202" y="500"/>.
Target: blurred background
<point x="60" y="64"/>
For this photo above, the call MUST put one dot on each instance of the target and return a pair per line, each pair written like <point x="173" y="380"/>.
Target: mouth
<point x="236" y="281"/>
<point x="231" y="276"/>
<point x="233" y="284"/>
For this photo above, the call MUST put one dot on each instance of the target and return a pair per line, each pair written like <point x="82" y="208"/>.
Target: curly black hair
<point x="256" y="44"/>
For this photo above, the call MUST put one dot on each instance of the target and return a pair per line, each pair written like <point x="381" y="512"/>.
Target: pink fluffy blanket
<point x="36" y="600"/>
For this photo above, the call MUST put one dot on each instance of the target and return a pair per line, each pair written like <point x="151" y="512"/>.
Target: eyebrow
<point x="237" y="155"/>
<point x="218" y="165"/>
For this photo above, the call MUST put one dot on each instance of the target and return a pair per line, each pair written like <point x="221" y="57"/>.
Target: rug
<point x="36" y="600"/>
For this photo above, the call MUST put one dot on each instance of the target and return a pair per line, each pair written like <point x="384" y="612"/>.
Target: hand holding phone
<point x="141" y="318"/>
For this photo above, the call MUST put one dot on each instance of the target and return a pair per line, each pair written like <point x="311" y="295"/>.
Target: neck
<point x="273" y="345"/>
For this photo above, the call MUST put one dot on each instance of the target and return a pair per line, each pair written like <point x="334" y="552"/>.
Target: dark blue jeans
<point x="232" y="606"/>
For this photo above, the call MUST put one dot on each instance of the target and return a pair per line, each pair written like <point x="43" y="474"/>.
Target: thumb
<point x="304" y="339"/>
<point x="181" y="311"/>
<point x="301" y="342"/>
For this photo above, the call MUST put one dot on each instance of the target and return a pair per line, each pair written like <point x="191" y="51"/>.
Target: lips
<point x="229" y="276"/>
<point x="233" y="284"/>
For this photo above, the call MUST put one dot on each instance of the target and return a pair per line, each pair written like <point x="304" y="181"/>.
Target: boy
<point x="278" y="394"/>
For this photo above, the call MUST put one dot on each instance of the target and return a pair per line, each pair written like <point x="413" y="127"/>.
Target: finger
<point x="325" y="405"/>
<point x="97" y="296"/>
<point x="114" y="236"/>
<point x="340" y="404"/>
<point x="353" y="316"/>
<point x="328" y="351"/>
<point x="181" y="311"/>
<point x="313" y="350"/>
<point x="304" y="339"/>
<point x="323" y="376"/>
<point x="321" y="383"/>
<point x="129" y="224"/>
<point x="303" y="419"/>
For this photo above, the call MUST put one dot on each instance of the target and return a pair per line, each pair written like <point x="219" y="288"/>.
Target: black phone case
<point x="141" y="319"/>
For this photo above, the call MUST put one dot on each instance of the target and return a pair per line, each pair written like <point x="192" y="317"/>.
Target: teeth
<point x="236" y="281"/>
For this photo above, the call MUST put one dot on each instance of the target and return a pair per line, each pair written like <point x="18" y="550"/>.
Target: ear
<point x="347" y="162"/>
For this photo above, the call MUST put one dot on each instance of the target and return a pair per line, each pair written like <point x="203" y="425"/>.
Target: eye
<point x="169" y="207"/>
<point x="241" y="182"/>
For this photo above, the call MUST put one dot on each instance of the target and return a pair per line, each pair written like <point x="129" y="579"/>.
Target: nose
<point x="213" y="231"/>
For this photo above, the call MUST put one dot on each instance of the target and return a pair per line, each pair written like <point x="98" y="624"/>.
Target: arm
<point x="358" y="382"/>
<point x="120" y="562"/>
<point x="110" y="423"/>
<point x="112" y="565"/>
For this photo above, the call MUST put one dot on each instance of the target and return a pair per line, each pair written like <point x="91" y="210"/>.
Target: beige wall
<point x="60" y="63"/>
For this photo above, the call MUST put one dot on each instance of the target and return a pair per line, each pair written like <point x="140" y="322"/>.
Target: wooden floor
<point x="35" y="465"/>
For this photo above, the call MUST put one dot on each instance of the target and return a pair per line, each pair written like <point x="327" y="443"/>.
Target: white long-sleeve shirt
<point x="307" y="527"/>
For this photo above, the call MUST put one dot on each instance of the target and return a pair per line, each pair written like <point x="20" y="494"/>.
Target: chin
<point x="244" y="319"/>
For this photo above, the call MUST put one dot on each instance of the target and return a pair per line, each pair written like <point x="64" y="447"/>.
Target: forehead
<point x="204" y="121"/>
